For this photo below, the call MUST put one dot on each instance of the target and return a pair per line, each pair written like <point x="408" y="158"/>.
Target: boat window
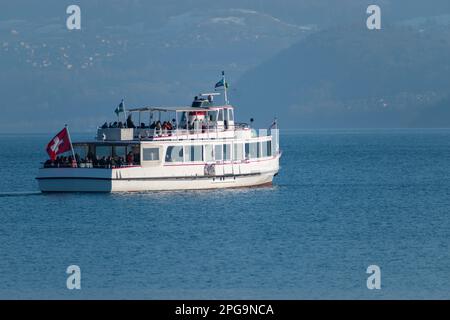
<point x="267" y="148"/>
<point x="230" y="115"/>
<point x="221" y="115"/>
<point x="135" y="149"/>
<point x="182" y="122"/>
<point x="193" y="153"/>
<point x="213" y="115"/>
<point x="218" y="152"/>
<point x="237" y="152"/>
<point x="91" y="149"/>
<point x="119" y="151"/>
<point x="174" y="154"/>
<point x="81" y="150"/>
<point x="264" y="149"/>
<point x="252" y="150"/>
<point x="209" y="155"/>
<point x="103" y="151"/>
<point x="150" y="154"/>
<point x="258" y="149"/>
<point x="227" y="152"/>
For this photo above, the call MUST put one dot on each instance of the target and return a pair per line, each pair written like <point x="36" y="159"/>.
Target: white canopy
<point x="168" y="109"/>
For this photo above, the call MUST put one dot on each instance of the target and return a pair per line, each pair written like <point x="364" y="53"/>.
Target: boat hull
<point x="90" y="184"/>
<point x="158" y="178"/>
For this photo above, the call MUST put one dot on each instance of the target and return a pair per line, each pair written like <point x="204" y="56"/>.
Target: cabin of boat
<point x="168" y="148"/>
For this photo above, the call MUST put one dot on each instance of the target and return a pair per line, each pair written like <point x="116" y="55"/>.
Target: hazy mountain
<point x="80" y="76"/>
<point x="166" y="51"/>
<point x="352" y="77"/>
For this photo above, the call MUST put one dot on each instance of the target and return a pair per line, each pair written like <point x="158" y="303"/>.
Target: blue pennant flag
<point x="221" y="84"/>
<point x="120" y="108"/>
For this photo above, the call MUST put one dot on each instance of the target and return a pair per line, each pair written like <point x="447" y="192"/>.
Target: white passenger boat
<point x="174" y="148"/>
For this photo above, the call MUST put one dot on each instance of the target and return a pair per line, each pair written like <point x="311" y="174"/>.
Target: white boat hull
<point x="127" y="185"/>
<point x="153" y="179"/>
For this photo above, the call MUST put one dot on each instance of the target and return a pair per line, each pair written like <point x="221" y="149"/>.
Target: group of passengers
<point x="60" y="162"/>
<point x="165" y="127"/>
<point x="162" y="128"/>
<point x="92" y="161"/>
<point x="119" y="124"/>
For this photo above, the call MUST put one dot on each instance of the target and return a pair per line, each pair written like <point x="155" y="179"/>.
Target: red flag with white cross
<point x="59" y="144"/>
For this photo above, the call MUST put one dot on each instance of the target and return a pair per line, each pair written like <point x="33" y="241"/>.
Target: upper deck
<point x="202" y="120"/>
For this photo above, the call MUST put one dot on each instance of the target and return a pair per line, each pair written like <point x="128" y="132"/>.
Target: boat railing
<point x="192" y="131"/>
<point x="182" y="133"/>
<point x="179" y="133"/>
<point x="85" y="165"/>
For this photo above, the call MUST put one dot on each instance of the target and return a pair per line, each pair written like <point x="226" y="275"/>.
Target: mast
<point x="225" y="88"/>
<point x="124" y="111"/>
<point x="74" y="160"/>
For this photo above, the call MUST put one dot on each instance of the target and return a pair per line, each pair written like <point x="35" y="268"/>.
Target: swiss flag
<point x="59" y="144"/>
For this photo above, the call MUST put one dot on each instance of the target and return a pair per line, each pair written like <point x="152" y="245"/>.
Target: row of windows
<point x="190" y="153"/>
<point x="106" y="151"/>
<point x="221" y="115"/>
<point x="209" y="152"/>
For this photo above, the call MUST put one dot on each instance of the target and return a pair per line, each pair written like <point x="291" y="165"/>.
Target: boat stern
<point x="74" y="180"/>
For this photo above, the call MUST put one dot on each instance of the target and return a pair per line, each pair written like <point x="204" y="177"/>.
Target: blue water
<point x="343" y="200"/>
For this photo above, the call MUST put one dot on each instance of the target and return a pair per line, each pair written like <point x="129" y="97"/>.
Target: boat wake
<point x="19" y="193"/>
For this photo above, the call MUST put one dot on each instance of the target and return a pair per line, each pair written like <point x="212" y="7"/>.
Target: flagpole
<point x="71" y="145"/>
<point x="224" y="87"/>
<point x="124" y="111"/>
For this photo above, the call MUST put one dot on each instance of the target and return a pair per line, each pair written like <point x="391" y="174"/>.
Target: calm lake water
<point x="343" y="200"/>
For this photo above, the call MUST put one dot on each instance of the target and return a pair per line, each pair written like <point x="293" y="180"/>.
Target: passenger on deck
<point x="111" y="162"/>
<point x="102" y="162"/>
<point x="88" y="162"/>
<point x="158" y="127"/>
<point x="130" y="158"/>
<point x="204" y="126"/>
<point x="48" y="164"/>
<point x="105" y="125"/>
<point x="196" y="125"/>
<point x="77" y="158"/>
<point x="169" y="127"/>
<point x="166" y="127"/>
<point x="153" y="125"/>
<point x="119" y="161"/>
<point x="130" y="123"/>
<point x="194" y="102"/>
